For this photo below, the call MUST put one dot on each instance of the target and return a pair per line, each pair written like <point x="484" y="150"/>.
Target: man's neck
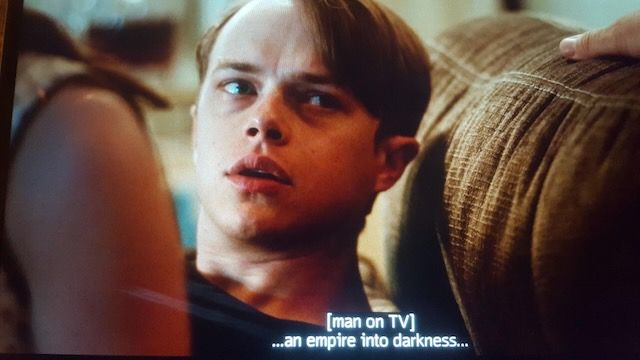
<point x="295" y="285"/>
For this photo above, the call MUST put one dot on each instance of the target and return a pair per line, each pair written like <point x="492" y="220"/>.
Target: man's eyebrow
<point x="304" y="77"/>
<point x="237" y="66"/>
<point x="311" y="78"/>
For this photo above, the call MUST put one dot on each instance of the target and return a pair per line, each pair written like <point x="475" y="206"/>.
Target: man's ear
<point x="194" y="112"/>
<point x="394" y="153"/>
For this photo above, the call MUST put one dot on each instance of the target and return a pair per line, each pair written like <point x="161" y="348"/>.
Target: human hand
<point x="621" y="38"/>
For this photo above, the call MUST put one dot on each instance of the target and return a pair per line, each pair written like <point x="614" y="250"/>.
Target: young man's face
<point x="279" y="148"/>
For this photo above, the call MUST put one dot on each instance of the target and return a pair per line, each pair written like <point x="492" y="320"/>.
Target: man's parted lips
<point x="260" y="166"/>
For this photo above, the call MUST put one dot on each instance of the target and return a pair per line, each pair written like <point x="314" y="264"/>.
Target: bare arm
<point x="621" y="38"/>
<point x="90" y="219"/>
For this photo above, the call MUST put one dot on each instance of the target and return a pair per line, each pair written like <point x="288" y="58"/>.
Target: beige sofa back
<point x="528" y="187"/>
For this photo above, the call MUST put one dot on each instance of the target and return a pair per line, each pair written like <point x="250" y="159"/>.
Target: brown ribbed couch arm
<point x="529" y="184"/>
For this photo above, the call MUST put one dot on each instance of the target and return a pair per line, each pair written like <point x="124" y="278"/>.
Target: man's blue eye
<point x="238" y="87"/>
<point x="324" y="101"/>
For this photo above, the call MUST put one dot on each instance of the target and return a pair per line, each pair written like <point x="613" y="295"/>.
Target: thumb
<point x="621" y="38"/>
<point x="589" y="44"/>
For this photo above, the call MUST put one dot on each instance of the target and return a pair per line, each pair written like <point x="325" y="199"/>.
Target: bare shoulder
<point x="88" y="102"/>
<point x="83" y="160"/>
<point x="88" y="147"/>
<point x="86" y="143"/>
<point x="92" y="121"/>
<point x="85" y="198"/>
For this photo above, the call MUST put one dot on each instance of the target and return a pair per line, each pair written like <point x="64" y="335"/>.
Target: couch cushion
<point x="529" y="184"/>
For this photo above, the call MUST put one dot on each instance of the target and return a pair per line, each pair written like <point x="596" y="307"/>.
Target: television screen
<point x="332" y="179"/>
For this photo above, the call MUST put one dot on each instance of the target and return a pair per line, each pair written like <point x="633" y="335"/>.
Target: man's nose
<point x="270" y="122"/>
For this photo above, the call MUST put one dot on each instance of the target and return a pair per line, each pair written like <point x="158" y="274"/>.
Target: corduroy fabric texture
<point x="529" y="182"/>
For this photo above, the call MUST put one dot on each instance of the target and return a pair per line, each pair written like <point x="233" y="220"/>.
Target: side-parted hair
<point x="369" y="51"/>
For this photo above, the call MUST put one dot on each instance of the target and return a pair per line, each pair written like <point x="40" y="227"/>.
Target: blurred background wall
<point x="589" y="14"/>
<point x="157" y="39"/>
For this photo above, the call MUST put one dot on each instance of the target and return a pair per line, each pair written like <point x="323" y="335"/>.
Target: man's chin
<point x="256" y="231"/>
<point x="272" y="236"/>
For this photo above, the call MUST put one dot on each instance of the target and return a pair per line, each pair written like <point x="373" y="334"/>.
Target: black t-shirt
<point x="221" y="325"/>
